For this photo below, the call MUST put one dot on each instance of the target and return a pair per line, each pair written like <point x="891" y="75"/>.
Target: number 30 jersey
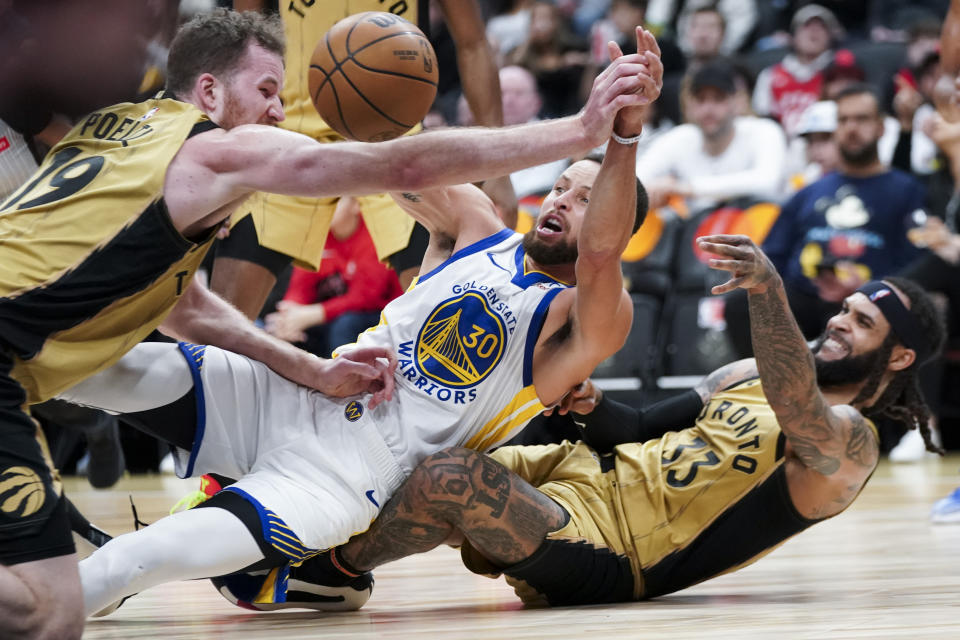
<point x="464" y="336"/>
<point x="90" y="262"/>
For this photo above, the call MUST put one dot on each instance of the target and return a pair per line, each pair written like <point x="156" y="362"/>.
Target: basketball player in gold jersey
<point x="102" y="242"/>
<point x="771" y="446"/>
<point x="271" y="230"/>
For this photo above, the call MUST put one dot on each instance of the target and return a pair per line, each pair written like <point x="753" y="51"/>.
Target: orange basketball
<point x="373" y="76"/>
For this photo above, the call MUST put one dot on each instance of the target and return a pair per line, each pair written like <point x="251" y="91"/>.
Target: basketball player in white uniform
<point x="492" y="332"/>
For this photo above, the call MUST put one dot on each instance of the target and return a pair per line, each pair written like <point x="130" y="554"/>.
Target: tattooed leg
<point x="503" y="516"/>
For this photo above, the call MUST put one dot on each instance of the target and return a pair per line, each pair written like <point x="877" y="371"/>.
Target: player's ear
<point x="207" y="89"/>
<point x="901" y="357"/>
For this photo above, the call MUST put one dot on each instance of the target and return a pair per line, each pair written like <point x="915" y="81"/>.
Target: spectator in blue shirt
<point x="845" y="229"/>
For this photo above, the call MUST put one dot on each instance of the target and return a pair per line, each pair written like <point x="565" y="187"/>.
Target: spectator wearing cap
<point x="717" y="155"/>
<point x="784" y="90"/>
<point x="813" y="153"/>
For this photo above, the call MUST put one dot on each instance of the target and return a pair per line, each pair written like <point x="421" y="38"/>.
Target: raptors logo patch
<point x="21" y="492"/>
<point x="461" y="342"/>
<point x="353" y="411"/>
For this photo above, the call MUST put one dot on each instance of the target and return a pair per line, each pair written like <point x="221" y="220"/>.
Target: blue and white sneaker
<point x="309" y="586"/>
<point x="947" y="510"/>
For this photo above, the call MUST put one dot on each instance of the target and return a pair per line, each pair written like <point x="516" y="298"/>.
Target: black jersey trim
<point x="202" y="127"/>
<point x="761" y="519"/>
<point x="738" y="383"/>
<point x="129" y="263"/>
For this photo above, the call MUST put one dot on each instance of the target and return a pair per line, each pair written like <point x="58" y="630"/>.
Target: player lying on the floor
<point x="778" y="443"/>
<point x="494" y="330"/>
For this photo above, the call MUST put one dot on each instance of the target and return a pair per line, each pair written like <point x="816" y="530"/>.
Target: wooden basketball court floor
<point x="880" y="570"/>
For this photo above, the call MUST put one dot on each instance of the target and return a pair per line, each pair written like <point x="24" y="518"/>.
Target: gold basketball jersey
<point x="90" y="262"/>
<point x="305" y="22"/>
<point x="708" y="499"/>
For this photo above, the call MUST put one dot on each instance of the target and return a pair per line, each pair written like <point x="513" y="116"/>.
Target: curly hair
<point x="903" y="400"/>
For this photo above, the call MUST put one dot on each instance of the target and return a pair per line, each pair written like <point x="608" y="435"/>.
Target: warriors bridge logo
<point x="461" y="342"/>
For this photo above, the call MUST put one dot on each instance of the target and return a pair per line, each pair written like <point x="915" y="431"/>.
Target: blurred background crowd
<point x="809" y="127"/>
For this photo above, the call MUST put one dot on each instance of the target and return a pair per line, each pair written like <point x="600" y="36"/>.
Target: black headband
<point x="903" y="323"/>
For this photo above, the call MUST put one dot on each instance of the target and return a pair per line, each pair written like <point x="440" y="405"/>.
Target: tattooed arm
<point x="833" y="445"/>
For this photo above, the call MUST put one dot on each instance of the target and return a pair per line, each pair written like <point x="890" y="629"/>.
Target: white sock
<point x="197" y="543"/>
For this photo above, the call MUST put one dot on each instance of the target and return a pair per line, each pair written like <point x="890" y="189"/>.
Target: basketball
<point x="373" y="76"/>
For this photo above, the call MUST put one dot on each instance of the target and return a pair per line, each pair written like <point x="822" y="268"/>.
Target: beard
<point x="860" y="157"/>
<point x="847" y="370"/>
<point x="233" y="114"/>
<point x="548" y="254"/>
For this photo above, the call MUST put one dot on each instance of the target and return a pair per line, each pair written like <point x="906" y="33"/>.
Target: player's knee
<point x="449" y="464"/>
<point x="45" y="618"/>
<point x="447" y="479"/>
<point x="66" y="622"/>
<point x="117" y="565"/>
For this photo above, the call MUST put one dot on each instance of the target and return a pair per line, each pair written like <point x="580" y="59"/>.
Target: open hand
<point x="358" y="370"/>
<point x="616" y="87"/>
<point x="750" y="267"/>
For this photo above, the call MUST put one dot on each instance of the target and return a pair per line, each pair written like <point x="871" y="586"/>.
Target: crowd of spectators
<point x="750" y="114"/>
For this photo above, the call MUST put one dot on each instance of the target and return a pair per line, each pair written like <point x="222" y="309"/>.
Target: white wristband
<point x="633" y="140"/>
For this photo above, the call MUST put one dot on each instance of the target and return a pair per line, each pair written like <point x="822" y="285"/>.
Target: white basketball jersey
<point x="464" y="336"/>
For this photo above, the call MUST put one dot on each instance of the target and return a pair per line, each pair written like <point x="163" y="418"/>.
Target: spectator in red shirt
<point x="328" y="308"/>
<point x="785" y="89"/>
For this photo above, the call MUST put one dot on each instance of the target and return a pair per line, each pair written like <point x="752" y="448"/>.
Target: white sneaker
<point x="910" y="448"/>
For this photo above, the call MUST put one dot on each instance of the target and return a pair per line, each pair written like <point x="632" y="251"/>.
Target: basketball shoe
<point x="317" y="584"/>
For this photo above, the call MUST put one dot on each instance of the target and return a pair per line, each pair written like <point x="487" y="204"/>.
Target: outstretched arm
<point x="600" y="309"/>
<point x="203" y="317"/>
<point x="608" y="223"/>
<point x="834" y="443"/>
<point x="219" y="168"/>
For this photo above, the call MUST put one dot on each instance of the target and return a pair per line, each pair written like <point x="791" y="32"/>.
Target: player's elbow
<point x="598" y="257"/>
<point x="410" y="174"/>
